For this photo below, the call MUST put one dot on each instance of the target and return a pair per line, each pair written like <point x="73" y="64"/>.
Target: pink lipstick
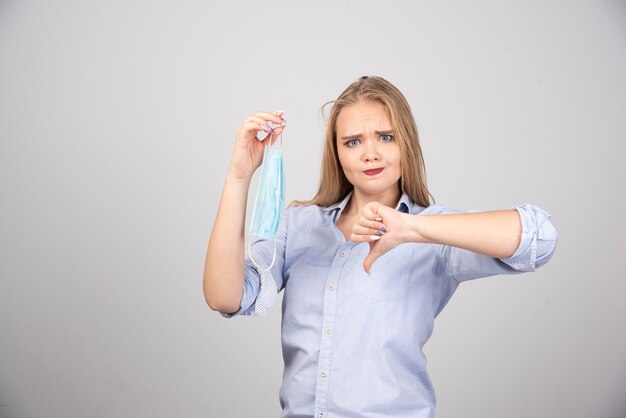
<point x="373" y="171"/>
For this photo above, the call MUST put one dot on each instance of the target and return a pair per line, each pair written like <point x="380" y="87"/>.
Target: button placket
<point x="327" y="331"/>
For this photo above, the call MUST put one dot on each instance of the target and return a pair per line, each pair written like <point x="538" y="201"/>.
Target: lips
<point x="373" y="171"/>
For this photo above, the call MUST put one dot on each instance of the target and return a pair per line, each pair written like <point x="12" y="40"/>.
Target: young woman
<point x="366" y="265"/>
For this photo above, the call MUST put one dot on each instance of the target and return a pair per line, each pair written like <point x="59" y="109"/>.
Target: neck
<point x="389" y="197"/>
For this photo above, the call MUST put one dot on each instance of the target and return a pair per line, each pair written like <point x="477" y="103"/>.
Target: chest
<point x="322" y="267"/>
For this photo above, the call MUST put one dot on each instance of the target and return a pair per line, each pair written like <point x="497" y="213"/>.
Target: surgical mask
<point x="268" y="206"/>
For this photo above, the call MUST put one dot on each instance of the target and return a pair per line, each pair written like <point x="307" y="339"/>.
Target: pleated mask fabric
<point x="270" y="198"/>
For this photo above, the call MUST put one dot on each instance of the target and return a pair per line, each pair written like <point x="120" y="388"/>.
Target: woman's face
<point x="367" y="149"/>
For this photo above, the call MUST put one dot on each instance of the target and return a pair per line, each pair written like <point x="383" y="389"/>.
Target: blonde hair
<point x="334" y="185"/>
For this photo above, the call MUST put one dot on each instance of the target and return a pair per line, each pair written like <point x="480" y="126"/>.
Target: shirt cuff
<point x="538" y="239"/>
<point x="259" y="293"/>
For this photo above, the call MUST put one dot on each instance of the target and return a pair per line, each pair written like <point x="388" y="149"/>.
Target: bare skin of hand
<point x="224" y="269"/>
<point x="492" y="233"/>
<point x="248" y="151"/>
<point x="382" y="227"/>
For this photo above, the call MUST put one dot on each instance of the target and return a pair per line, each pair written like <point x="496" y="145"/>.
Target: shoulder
<point x="309" y="214"/>
<point x="295" y="209"/>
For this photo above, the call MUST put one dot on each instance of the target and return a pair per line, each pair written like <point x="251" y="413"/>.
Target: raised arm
<point x="224" y="266"/>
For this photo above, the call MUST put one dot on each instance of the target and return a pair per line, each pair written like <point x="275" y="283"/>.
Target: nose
<point x="370" y="152"/>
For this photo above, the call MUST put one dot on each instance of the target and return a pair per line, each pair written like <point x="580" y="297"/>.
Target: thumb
<point x="371" y="257"/>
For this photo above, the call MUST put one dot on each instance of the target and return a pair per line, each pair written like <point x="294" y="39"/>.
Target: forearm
<point x="224" y="267"/>
<point x="495" y="233"/>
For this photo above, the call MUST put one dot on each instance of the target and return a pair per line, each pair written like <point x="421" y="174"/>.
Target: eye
<point x="352" y="143"/>
<point x="386" y="138"/>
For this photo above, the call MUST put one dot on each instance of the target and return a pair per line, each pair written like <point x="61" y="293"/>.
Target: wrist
<point x="408" y="234"/>
<point x="240" y="170"/>
<point x="413" y="231"/>
<point x="237" y="179"/>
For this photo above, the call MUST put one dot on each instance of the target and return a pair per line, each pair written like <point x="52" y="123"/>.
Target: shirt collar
<point x="338" y="207"/>
<point x="404" y="205"/>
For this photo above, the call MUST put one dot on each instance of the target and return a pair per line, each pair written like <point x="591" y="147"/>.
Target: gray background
<point x="117" y="120"/>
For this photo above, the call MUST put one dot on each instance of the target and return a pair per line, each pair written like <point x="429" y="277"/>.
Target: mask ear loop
<point x="259" y="268"/>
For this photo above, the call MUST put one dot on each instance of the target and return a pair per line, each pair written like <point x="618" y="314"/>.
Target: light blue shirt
<point x="352" y="343"/>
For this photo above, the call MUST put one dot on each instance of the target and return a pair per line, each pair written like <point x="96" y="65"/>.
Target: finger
<point x="273" y="117"/>
<point x="364" y="238"/>
<point x="370" y="211"/>
<point x="374" y="225"/>
<point x="369" y="261"/>
<point x="276" y="116"/>
<point x="277" y="133"/>
<point x="268" y="119"/>
<point x="363" y="230"/>
<point x="254" y="126"/>
<point x="249" y="130"/>
<point x="262" y="124"/>
<point x="272" y="136"/>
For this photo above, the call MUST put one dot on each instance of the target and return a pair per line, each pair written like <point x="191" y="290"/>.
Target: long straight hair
<point x="334" y="185"/>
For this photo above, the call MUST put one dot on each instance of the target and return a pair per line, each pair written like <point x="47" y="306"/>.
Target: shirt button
<point x="331" y="287"/>
<point x="343" y="253"/>
<point x="328" y="330"/>
<point x="323" y="373"/>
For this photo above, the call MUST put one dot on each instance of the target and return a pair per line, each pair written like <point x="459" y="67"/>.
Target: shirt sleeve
<point x="261" y="285"/>
<point x="537" y="245"/>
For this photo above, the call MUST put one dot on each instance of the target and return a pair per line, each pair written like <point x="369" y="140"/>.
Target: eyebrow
<point x="387" y="132"/>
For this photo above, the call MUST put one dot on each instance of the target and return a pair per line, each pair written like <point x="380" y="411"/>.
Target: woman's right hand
<point x="248" y="153"/>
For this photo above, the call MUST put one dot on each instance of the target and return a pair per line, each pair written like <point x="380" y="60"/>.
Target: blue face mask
<point x="268" y="206"/>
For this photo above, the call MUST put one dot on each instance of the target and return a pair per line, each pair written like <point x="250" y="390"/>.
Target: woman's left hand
<point x="384" y="228"/>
